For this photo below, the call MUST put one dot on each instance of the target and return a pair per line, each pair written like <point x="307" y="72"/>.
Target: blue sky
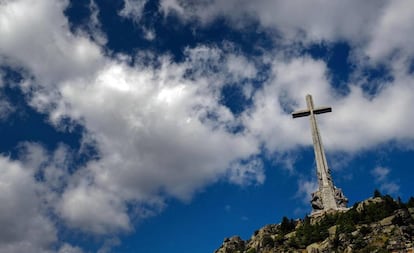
<point x="164" y="125"/>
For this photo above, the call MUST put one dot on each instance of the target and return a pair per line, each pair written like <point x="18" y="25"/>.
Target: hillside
<point x="378" y="224"/>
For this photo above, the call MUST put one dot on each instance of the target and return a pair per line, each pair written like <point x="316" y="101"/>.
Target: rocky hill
<point x="378" y="224"/>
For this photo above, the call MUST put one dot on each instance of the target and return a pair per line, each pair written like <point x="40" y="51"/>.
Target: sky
<point x="165" y="125"/>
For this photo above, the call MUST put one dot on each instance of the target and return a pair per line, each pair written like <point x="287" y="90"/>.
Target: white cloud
<point x="244" y="218"/>
<point x="147" y="123"/>
<point x="380" y="173"/>
<point x="381" y="176"/>
<point x="67" y="248"/>
<point x="153" y="127"/>
<point x="385" y="117"/>
<point x="392" y="33"/>
<point x="244" y="173"/>
<point x="36" y="35"/>
<point x="133" y="9"/>
<point x="93" y="210"/>
<point x="109" y="244"/>
<point x="305" y="190"/>
<point x="240" y="67"/>
<point x="6" y="108"/>
<point x="95" y="26"/>
<point x="154" y="137"/>
<point x="377" y="28"/>
<point x="390" y="187"/>
<point x="149" y="34"/>
<point x="29" y="194"/>
<point x="313" y="20"/>
<point x="52" y="166"/>
<point x="23" y="221"/>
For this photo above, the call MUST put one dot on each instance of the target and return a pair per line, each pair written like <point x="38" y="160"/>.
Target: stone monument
<point x="327" y="197"/>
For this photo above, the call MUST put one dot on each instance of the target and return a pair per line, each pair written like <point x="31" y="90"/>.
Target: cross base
<point x="327" y="198"/>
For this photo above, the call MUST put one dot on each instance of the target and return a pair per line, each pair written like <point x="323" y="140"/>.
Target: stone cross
<point x="327" y="196"/>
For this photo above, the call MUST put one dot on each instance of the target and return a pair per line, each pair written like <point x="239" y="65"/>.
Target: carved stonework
<point x="317" y="201"/>
<point x="341" y="200"/>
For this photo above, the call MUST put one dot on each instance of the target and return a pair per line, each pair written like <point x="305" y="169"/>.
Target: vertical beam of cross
<point x="326" y="187"/>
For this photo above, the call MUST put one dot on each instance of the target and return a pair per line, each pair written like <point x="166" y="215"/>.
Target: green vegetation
<point x="410" y="203"/>
<point x="377" y="194"/>
<point x="267" y="241"/>
<point x="251" y="250"/>
<point x="346" y="223"/>
<point x="374" y="211"/>
<point x="287" y="225"/>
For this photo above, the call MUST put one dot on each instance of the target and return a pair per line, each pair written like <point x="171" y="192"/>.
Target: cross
<point x="310" y="110"/>
<point x="328" y="196"/>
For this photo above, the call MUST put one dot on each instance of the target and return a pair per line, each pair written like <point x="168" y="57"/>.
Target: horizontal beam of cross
<point x="304" y="113"/>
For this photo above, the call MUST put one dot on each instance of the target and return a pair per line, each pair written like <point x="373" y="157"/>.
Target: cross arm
<point x="321" y="110"/>
<point x="306" y="112"/>
<point x="301" y="113"/>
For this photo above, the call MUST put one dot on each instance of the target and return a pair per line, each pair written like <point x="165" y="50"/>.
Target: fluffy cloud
<point x="155" y="137"/>
<point x="380" y="28"/>
<point x="244" y="173"/>
<point x="305" y="190"/>
<point x="158" y="132"/>
<point x="381" y="176"/>
<point x="25" y="225"/>
<point x="133" y="9"/>
<point x="6" y="108"/>
<point x="67" y="248"/>
<point x="30" y="190"/>
<point x="392" y="33"/>
<point x="315" y="20"/>
<point x="36" y="35"/>
<point x="94" y="25"/>
<point x="380" y="173"/>
<point x="93" y="210"/>
<point x="50" y="168"/>
<point x="382" y="118"/>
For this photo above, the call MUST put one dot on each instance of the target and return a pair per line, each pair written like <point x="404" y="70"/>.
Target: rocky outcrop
<point x="374" y="225"/>
<point x="232" y="245"/>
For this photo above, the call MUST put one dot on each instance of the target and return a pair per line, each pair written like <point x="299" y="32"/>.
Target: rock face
<point x="374" y="225"/>
<point x="233" y="244"/>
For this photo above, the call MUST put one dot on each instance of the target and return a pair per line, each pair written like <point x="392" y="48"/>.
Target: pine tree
<point x="377" y="194"/>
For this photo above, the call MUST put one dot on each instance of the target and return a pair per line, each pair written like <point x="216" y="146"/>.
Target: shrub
<point x="365" y="230"/>
<point x="377" y="194"/>
<point x="251" y="250"/>
<point x="287" y="225"/>
<point x="410" y="202"/>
